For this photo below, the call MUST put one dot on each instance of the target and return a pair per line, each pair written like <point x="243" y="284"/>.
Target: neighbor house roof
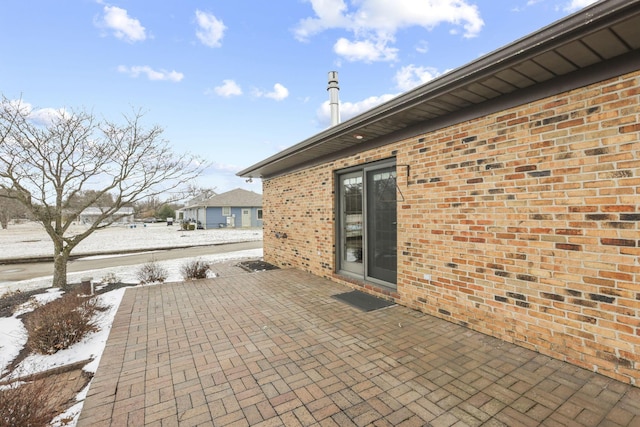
<point x="98" y="211"/>
<point x="237" y="198"/>
<point x="604" y="37"/>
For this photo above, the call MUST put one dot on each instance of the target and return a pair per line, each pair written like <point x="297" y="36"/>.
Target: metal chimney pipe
<point x="334" y="103"/>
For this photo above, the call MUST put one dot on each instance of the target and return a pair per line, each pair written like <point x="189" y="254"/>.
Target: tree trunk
<point x="60" y="259"/>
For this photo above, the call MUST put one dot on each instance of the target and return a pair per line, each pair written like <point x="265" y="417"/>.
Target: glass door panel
<point x="381" y="235"/>
<point x="351" y="189"/>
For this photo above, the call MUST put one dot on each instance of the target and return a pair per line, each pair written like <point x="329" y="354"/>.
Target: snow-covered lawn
<point x="29" y="241"/>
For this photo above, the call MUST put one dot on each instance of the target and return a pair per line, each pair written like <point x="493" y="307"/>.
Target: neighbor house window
<point x="259" y="213"/>
<point x="226" y="211"/>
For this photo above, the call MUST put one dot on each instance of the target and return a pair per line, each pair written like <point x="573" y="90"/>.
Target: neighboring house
<point x="236" y="208"/>
<point x="503" y="196"/>
<point x="91" y="215"/>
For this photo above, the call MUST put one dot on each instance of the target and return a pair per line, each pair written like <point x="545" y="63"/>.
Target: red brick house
<point x="503" y="196"/>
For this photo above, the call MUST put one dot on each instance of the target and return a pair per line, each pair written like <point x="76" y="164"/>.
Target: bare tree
<point x="9" y="209"/>
<point x="46" y="165"/>
<point x="193" y="192"/>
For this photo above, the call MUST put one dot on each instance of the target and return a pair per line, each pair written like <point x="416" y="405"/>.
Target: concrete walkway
<point x="274" y="348"/>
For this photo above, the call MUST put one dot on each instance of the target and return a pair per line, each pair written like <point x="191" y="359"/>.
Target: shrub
<point x="152" y="272"/>
<point x="110" y="279"/>
<point x="26" y="404"/>
<point x="61" y="323"/>
<point x="195" y="269"/>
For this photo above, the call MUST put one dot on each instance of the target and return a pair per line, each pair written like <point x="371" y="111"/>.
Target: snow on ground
<point x="13" y="335"/>
<point x="29" y="239"/>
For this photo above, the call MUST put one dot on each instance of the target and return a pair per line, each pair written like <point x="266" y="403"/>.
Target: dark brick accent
<point x="587" y="319"/>
<point x="541" y="217"/>
<point x="469" y="139"/>
<point x="474" y="180"/>
<point x="538" y="174"/>
<point x="420" y="139"/>
<point x="630" y="217"/>
<point x="527" y="277"/>
<point x="423" y="150"/>
<point x="554" y="297"/>
<point x="523" y="304"/>
<point x="569" y="232"/>
<point x="517" y="296"/>
<point x="619" y="242"/>
<point x="620" y="225"/>
<point x="496" y="191"/>
<point x="484" y="161"/>
<point x="451" y="265"/>
<point x="451" y="166"/>
<point x="502" y="273"/>
<point x="573" y="293"/>
<point x="555" y="119"/>
<point x="584" y="302"/>
<point x="596" y="151"/>
<point x="435" y="180"/>
<point x="600" y="217"/>
<point x="443" y="311"/>
<point x="602" y="298"/>
<point x="568" y="247"/>
<point x="494" y="166"/>
<point x="421" y="181"/>
<point x="501" y="299"/>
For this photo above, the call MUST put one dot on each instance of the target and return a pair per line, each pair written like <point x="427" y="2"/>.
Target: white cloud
<point x="40" y="116"/>
<point x="47" y="116"/>
<point x="151" y="74"/>
<point x="422" y="46"/>
<point x="365" y="50"/>
<point x="210" y="29"/>
<point x="123" y="26"/>
<point x="350" y="109"/>
<point x="411" y="76"/>
<point x="575" y="5"/>
<point x="227" y="89"/>
<point x="374" y="23"/>
<point x="279" y="93"/>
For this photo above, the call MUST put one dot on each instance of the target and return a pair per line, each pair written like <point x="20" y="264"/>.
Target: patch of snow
<point x="30" y="240"/>
<point x="23" y="241"/>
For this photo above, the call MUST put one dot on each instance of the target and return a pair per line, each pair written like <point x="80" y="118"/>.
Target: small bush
<point x="152" y="272"/>
<point x="26" y="404"/>
<point x="195" y="269"/>
<point x="61" y="323"/>
<point x="109" y="279"/>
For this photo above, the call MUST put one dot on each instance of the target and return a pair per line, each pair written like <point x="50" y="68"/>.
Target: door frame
<point x="339" y="215"/>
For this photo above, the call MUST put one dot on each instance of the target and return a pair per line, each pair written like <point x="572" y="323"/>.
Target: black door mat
<point x="362" y="301"/>
<point x="256" y="265"/>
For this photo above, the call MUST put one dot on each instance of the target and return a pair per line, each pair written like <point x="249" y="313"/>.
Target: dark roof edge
<point x="587" y="20"/>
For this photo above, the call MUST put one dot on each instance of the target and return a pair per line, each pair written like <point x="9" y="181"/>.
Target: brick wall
<point x="526" y="221"/>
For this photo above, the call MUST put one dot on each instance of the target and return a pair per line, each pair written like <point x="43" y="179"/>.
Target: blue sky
<point x="236" y="81"/>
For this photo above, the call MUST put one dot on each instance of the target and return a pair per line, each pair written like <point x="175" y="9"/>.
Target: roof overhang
<point x="584" y="40"/>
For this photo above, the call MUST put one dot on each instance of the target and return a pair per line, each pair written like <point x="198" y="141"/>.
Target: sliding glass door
<point x="367" y="232"/>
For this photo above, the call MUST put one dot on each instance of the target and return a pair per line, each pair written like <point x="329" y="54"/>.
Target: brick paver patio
<point x="273" y="348"/>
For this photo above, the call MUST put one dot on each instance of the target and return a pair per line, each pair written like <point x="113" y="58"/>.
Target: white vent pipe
<point x="334" y="103"/>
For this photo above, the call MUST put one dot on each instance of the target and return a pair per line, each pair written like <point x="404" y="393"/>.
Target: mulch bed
<point x="9" y="302"/>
